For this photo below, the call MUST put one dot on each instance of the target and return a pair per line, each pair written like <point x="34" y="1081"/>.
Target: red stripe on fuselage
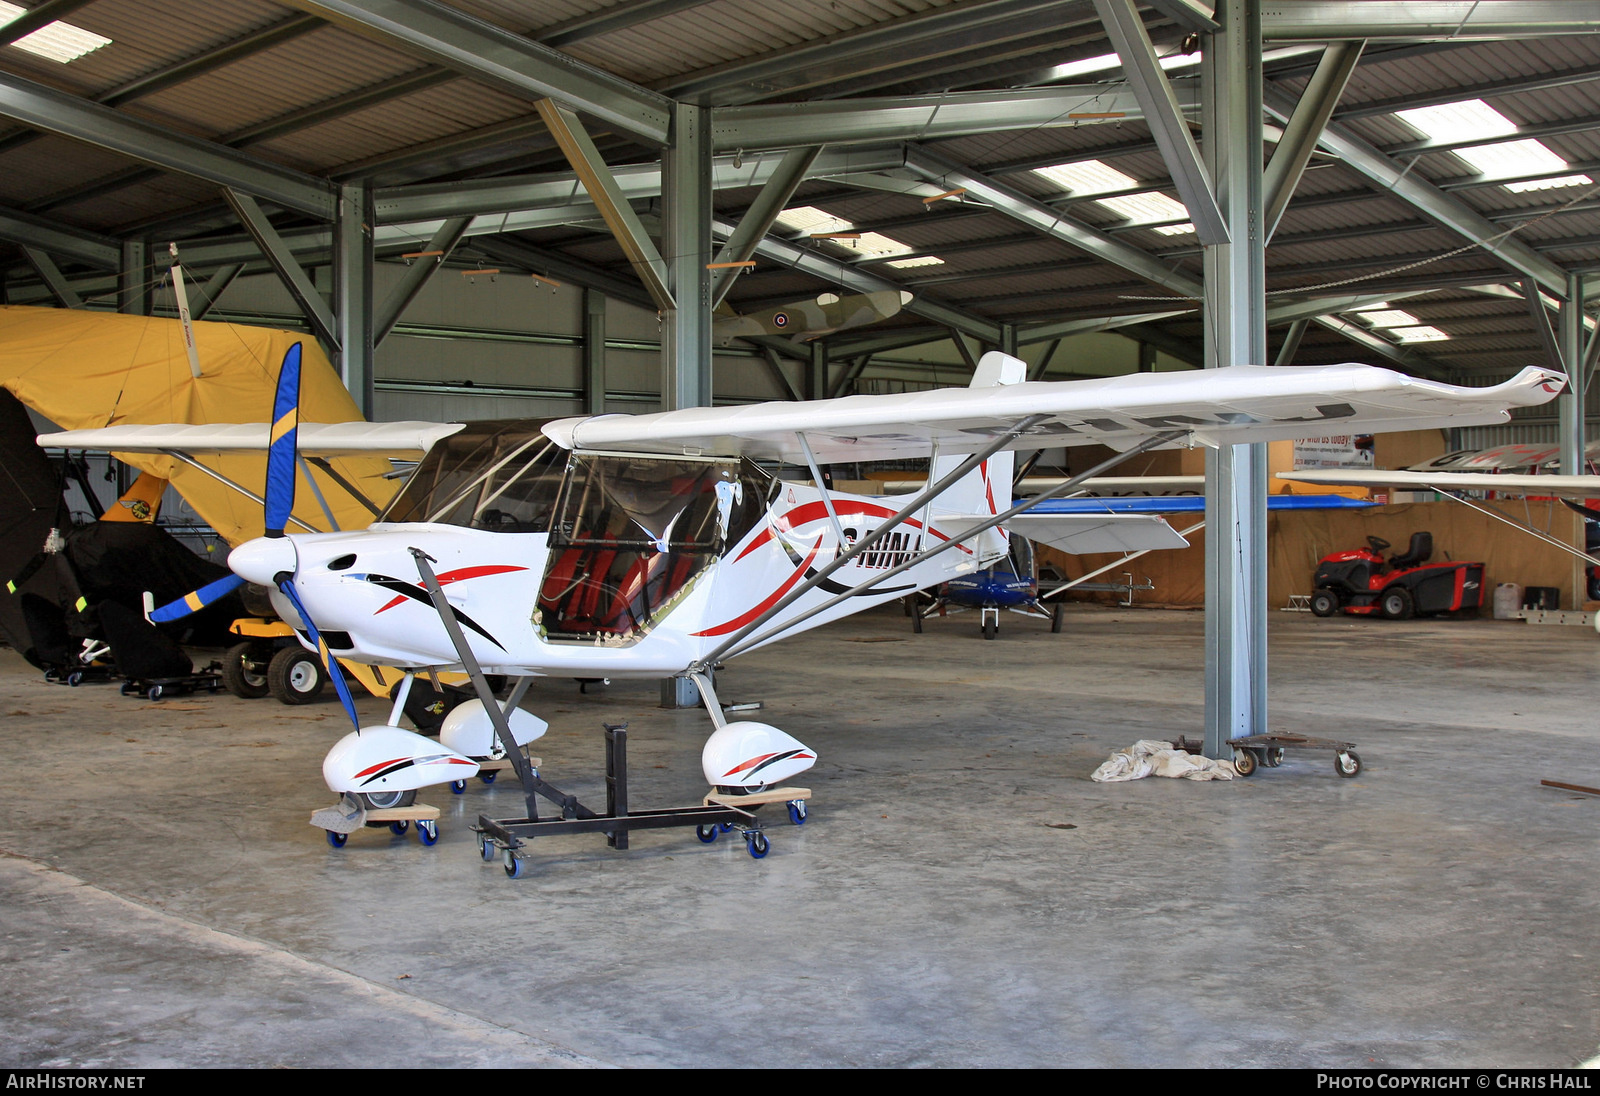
<point x="746" y="617"/>
<point x="808" y="512"/>
<point x="460" y="574"/>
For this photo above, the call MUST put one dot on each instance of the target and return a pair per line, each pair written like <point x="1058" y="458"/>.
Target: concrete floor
<point x="962" y="895"/>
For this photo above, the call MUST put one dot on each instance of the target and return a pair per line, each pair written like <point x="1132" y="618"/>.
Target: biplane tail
<point x="987" y="488"/>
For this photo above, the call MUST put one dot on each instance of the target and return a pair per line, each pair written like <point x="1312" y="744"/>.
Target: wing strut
<point x="999" y="519"/>
<point x="861" y="545"/>
<point x="225" y="481"/>
<point x="1526" y="527"/>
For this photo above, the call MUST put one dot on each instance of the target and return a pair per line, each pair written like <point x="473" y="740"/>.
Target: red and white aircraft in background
<point x="656" y="545"/>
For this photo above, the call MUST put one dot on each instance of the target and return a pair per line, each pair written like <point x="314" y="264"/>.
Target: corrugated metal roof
<point x="335" y="101"/>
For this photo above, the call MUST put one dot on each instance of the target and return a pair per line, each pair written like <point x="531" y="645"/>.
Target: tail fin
<point x="987" y="488"/>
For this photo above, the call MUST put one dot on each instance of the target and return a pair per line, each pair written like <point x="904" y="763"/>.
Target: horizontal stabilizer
<point x="1078" y="534"/>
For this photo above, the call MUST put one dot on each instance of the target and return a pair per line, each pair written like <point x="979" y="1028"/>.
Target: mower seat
<point x="1421" y="548"/>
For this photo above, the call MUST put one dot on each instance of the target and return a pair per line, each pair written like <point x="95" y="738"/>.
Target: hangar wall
<point x="1298" y="539"/>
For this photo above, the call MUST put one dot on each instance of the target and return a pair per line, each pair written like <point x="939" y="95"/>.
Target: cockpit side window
<point x="501" y="476"/>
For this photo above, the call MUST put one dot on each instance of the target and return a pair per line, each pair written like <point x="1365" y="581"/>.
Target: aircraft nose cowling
<point x="262" y="560"/>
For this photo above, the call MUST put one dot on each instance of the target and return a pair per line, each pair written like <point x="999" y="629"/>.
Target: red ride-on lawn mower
<point x="1404" y="585"/>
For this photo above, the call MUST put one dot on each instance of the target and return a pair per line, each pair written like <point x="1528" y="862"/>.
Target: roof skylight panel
<point x="1149" y="208"/>
<point x="1422" y="333"/>
<point x="1473" y="118"/>
<point x="56" y="41"/>
<point x="1087" y="177"/>
<point x="873" y="245"/>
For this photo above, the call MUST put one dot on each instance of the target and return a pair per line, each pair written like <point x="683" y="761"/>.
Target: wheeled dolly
<point x="794" y="798"/>
<point x="507" y="837"/>
<point x="154" y="688"/>
<point x="398" y="820"/>
<point x="1253" y="751"/>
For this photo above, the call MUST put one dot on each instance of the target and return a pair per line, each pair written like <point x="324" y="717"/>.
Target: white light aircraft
<point x="655" y="546"/>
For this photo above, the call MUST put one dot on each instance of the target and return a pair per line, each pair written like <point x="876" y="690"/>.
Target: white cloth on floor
<point x="1152" y="757"/>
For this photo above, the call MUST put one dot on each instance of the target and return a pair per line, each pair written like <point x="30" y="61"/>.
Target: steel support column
<point x="1235" y="334"/>
<point x="352" y="292"/>
<point x="1572" y="401"/>
<point x="817" y="371"/>
<point x="686" y="239"/>
<point x="133" y="280"/>
<point x="594" y="352"/>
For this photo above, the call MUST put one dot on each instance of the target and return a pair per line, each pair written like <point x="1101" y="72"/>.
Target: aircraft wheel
<point x="1324" y="603"/>
<point x="706" y="834"/>
<point x="294" y="676"/>
<point x="916" y="618"/>
<point x="243" y="674"/>
<point x="428" y="832"/>
<point x="797" y="811"/>
<point x="337" y="840"/>
<point x="1058" y="617"/>
<point x="378" y="801"/>
<point x="514" y="865"/>
<point x="991" y="627"/>
<point x="757" y="843"/>
<point x="1244" y="762"/>
<point x="1395" y="604"/>
<point x="1346" y="763"/>
<point x="399" y="828"/>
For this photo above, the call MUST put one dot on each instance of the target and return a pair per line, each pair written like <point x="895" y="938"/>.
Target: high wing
<point x="1572" y="487"/>
<point x="1242" y="403"/>
<point x="337" y="439"/>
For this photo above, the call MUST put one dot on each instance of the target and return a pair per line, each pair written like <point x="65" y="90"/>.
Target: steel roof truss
<point x="277" y="253"/>
<point x="491" y="55"/>
<point x="1166" y="121"/>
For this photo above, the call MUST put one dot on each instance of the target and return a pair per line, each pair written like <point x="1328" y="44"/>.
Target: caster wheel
<point x="757" y="843"/>
<point x="707" y="834"/>
<point x="515" y="867"/>
<point x="154" y="692"/>
<point x="428" y="832"/>
<point x="75" y="678"/>
<point x="458" y="786"/>
<point x="1273" y="757"/>
<point x="1346" y="763"/>
<point x="724" y="827"/>
<point x="128" y="688"/>
<point x="1244" y="762"/>
<point x="486" y="849"/>
<point x="487" y="778"/>
<point x="337" y="840"/>
<point x="399" y="828"/>
<point x="797" y="811"/>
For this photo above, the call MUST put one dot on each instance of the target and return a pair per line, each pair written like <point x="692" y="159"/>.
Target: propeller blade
<point x="332" y="664"/>
<point x="199" y="599"/>
<point x="279" y="493"/>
